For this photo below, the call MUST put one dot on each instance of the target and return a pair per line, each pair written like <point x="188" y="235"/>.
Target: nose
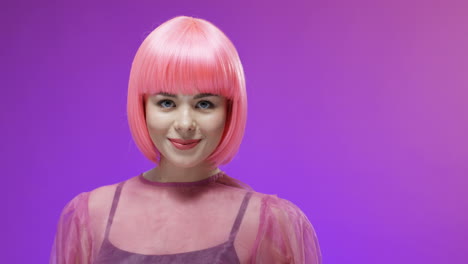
<point x="184" y="121"/>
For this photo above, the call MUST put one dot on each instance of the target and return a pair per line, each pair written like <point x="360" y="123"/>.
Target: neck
<point x="168" y="172"/>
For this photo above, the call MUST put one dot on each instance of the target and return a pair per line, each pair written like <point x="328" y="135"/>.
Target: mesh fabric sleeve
<point x="73" y="241"/>
<point x="285" y="235"/>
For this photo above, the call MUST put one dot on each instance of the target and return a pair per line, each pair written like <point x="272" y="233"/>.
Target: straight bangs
<point x="188" y="56"/>
<point x="190" y="60"/>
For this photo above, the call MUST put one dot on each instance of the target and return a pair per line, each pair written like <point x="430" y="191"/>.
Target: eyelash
<point x="160" y="104"/>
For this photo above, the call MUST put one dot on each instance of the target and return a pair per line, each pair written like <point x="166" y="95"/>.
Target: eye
<point x="205" y="105"/>
<point x="166" y="103"/>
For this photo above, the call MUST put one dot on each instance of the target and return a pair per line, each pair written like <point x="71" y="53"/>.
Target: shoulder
<point x="86" y="214"/>
<point x="75" y="212"/>
<point x="283" y="217"/>
<point x="79" y="207"/>
<point x="100" y="203"/>
<point x="270" y="207"/>
<point x="91" y="199"/>
<point x="285" y="233"/>
<point x="89" y="204"/>
<point x="101" y="197"/>
<point x="281" y="208"/>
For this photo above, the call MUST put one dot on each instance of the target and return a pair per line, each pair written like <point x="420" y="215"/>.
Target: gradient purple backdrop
<point x="357" y="113"/>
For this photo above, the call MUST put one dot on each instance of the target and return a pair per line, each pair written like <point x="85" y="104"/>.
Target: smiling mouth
<point x="184" y="144"/>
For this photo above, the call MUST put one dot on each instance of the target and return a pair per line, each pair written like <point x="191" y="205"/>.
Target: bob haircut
<point x="188" y="55"/>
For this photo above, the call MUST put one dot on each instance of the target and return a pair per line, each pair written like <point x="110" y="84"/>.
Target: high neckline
<point x="205" y="181"/>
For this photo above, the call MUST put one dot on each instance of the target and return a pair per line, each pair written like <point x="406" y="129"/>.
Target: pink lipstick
<point x="184" y="144"/>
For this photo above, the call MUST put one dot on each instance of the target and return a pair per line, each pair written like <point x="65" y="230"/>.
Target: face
<point x="185" y="129"/>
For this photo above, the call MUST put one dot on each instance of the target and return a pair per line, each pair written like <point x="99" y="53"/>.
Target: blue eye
<point x="166" y="103"/>
<point x="205" y="105"/>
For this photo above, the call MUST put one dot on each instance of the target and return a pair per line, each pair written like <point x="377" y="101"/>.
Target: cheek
<point x="214" y="125"/>
<point x="157" y="124"/>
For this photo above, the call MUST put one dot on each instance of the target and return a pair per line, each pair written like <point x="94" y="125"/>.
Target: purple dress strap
<point x="115" y="201"/>
<point x="240" y="216"/>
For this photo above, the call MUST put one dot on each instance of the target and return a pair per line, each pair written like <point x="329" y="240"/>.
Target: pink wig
<point x="188" y="55"/>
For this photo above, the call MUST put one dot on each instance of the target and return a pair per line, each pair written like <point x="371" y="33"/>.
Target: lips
<point x="184" y="144"/>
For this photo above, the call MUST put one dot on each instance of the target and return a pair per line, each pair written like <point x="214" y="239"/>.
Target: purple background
<point x="357" y="113"/>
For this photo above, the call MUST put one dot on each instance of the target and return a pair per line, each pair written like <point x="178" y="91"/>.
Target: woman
<point x="187" y="113"/>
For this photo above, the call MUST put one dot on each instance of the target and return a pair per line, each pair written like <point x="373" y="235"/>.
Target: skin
<point x="198" y="116"/>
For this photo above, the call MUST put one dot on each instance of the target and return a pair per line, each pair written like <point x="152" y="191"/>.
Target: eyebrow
<point x="198" y="96"/>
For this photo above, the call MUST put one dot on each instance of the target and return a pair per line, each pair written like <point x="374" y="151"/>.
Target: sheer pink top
<point x="215" y="220"/>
